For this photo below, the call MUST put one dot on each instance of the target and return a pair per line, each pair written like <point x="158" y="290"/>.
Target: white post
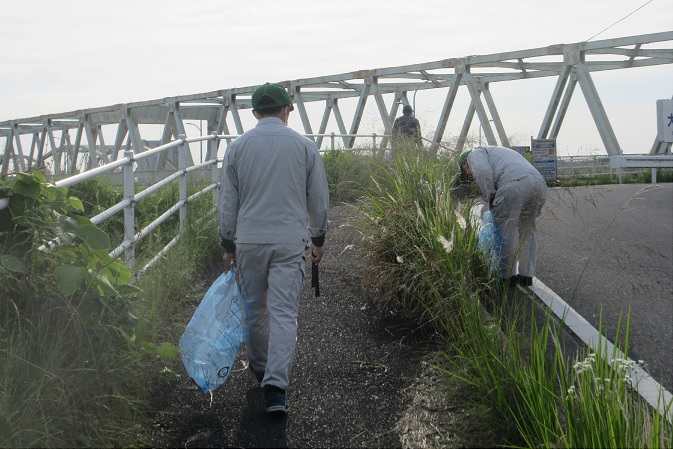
<point x="215" y="173"/>
<point x="129" y="212"/>
<point x="182" y="166"/>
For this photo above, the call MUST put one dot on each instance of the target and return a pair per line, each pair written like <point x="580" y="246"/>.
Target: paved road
<point x="610" y="248"/>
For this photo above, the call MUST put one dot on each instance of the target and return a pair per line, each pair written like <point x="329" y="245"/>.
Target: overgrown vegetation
<point x="427" y="262"/>
<point x="80" y="339"/>
<point x="75" y="335"/>
<point x="349" y="174"/>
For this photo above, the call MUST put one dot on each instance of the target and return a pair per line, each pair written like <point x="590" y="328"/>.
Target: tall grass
<point x="426" y="263"/>
<point x="74" y="361"/>
<point x="75" y="366"/>
<point x="349" y="173"/>
<point x="424" y="249"/>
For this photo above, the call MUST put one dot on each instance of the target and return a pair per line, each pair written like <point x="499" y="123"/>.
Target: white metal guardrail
<point x="620" y="162"/>
<point x="128" y="164"/>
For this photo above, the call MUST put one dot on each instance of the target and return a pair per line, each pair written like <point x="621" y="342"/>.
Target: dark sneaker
<point x="274" y="399"/>
<point x="508" y="283"/>
<point x="525" y="281"/>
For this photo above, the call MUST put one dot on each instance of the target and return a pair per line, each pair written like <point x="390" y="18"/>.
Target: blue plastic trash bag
<point x="490" y="240"/>
<point x="211" y="341"/>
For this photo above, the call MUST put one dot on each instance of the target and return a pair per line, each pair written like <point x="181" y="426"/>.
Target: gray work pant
<point x="270" y="279"/>
<point x="516" y="206"/>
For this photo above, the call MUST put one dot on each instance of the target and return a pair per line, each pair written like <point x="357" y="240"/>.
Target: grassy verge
<point x="426" y="262"/>
<point x="76" y="358"/>
<point x="76" y="339"/>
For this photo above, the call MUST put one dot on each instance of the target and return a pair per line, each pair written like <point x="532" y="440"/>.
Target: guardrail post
<point x="129" y="211"/>
<point x="332" y="139"/>
<point x="182" y="166"/>
<point x="215" y="172"/>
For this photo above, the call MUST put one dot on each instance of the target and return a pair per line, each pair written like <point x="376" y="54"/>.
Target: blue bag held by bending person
<point x="490" y="240"/>
<point x="210" y="343"/>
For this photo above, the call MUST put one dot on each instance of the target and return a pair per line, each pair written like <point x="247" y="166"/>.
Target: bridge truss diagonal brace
<point x="331" y="107"/>
<point x="221" y="126"/>
<point x="557" y="107"/>
<point x="476" y="87"/>
<point x="76" y="148"/>
<point x="9" y="153"/>
<point x="383" y="110"/>
<point x="43" y="134"/>
<point x="301" y="107"/>
<point x="496" y="119"/>
<point x="448" y="106"/>
<point x="597" y="111"/>
<point x="400" y="98"/>
<point x="360" y="108"/>
<point x="91" y="134"/>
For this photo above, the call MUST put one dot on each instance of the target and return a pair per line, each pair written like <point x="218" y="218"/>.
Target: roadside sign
<point x="665" y="120"/>
<point x="525" y="152"/>
<point x="544" y="157"/>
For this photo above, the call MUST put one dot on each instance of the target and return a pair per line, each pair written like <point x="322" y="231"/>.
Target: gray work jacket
<point x="272" y="187"/>
<point x="494" y="167"/>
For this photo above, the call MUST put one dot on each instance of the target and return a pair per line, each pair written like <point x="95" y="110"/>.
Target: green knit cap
<point x="462" y="158"/>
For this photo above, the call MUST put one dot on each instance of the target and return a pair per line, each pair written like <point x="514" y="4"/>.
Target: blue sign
<point x="544" y="157"/>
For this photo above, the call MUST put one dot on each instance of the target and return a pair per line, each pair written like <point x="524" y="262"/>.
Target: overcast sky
<point x="74" y="54"/>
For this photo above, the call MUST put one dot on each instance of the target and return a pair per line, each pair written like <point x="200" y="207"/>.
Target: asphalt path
<point x="607" y="251"/>
<point x="349" y="381"/>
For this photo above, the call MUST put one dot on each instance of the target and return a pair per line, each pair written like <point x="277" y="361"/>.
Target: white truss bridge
<point x="32" y="142"/>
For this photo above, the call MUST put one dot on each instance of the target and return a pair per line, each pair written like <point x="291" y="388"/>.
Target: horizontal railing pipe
<point x="93" y="173"/>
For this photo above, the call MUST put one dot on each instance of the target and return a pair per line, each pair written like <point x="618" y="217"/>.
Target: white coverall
<point x="520" y="192"/>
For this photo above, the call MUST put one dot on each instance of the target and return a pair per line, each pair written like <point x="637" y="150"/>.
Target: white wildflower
<point x="623" y="365"/>
<point x="582" y="366"/>
<point x="399" y="259"/>
<point x="461" y="220"/>
<point x="447" y="244"/>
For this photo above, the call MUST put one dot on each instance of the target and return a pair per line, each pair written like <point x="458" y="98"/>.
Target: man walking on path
<point x="515" y="193"/>
<point x="273" y="206"/>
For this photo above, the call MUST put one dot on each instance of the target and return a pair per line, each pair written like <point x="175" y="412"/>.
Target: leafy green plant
<point x="42" y="218"/>
<point x="65" y="306"/>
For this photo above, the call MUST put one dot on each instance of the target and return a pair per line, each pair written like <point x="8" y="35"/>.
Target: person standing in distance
<point x="407" y="128"/>
<point x="515" y="193"/>
<point x="273" y="207"/>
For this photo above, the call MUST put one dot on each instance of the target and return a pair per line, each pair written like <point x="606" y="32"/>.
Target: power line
<point x="632" y="12"/>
